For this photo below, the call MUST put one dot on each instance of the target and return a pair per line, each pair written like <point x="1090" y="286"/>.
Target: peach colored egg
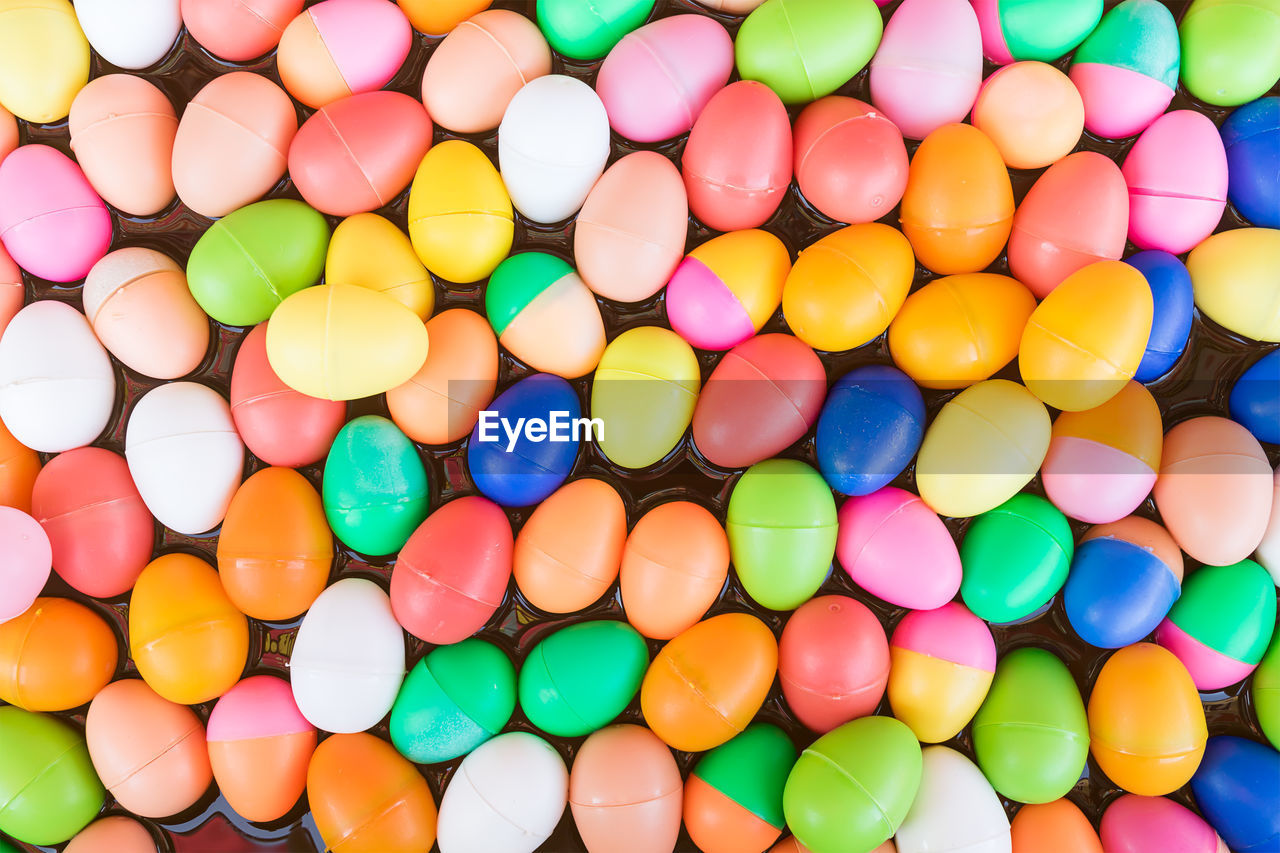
<point x="8" y="132"/>
<point x="232" y="143"/>
<point x="1032" y="112"/>
<point x="238" y="30"/>
<point x="114" y="834"/>
<point x="325" y="52"/>
<point x="625" y="785"/>
<point x="122" y="132"/>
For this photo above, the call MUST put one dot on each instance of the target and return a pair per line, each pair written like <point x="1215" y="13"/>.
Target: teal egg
<point x="1137" y="35"/>
<point x="1035" y="29"/>
<point x="1015" y="558"/>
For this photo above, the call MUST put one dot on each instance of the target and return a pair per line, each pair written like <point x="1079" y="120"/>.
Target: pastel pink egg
<point x="1135" y="824"/>
<point x="325" y="52"/>
<point x="25" y="561"/>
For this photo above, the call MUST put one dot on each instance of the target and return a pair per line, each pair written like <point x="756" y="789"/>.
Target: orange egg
<point x="1054" y="827"/>
<point x="437" y="17"/>
<point x="705" y="685"/>
<point x="114" y="834"/>
<point x="625" y="785"/>
<point x="674" y="565"/>
<point x="19" y="466"/>
<point x="188" y="640"/>
<point x="275" y="548"/>
<point x="56" y="656"/>
<point x="568" y="552"/>
<point x="957" y="210"/>
<point x="365" y="797"/>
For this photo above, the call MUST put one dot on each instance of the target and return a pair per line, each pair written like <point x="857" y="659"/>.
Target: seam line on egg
<point x="248" y="258"/>
<point x="845" y="773"/>
<point x="1155" y="193"/>
<point x="648" y="377"/>
<point x="901" y="508"/>
<point x="675" y="81"/>
<point x="475" y="789"/>
<point x="1075" y="346"/>
<point x="48" y="768"/>
<point x="697" y="691"/>
<point x="355" y="161"/>
<point x="774" y="385"/>
<point x="385" y="810"/>
<point x="435" y="580"/>
<point x="974" y="338"/>
<point x="81" y="509"/>
<point x="840" y="253"/>
<point x="269" y="395"/>
<point x="1170" y="469"/>
<point x="1008" y="439"/>
<point x="674" y="568"/>
<point x="169" y="747"/>
<point x="500" y="46"/>
<point x="284" y="155"/>
<point x="254" y="12"/>
<point x="562" y="564"/>
<point x="163" y="438"/>
<point x="791" y="31"/>
<point x="115" y="117"/>
<point x="609" y="229"/>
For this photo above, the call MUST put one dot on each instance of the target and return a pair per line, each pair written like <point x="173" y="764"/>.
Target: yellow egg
<point x="369" y="251"/>
<point x="44" y="59"/>
<point x="986" y="443"/>
<point x="460" y="218"/>
<point x="342" y="342"/>
<point x="1087" y="338"/>
<point x="1236" y="278"/>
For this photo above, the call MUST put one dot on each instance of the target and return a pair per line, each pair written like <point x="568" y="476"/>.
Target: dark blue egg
<point x="1237" y="788"/>
<point x="871" y="425"/>
<point x="1117" y="592"/>
<point x="1251" y="136"/>
<point x="540" y="411"/>
<point x="1255" y="399"/>
<point x="1174" y="302"/>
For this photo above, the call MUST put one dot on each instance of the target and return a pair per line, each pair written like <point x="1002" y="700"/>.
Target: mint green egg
<point x="1136" y="35"/>
<point x="1015" y="558"/>
<point x="588" y="29"/>
<point x="516" y="282"/>
<point x="752" y="769"/>
<point x="1045" y="29"/>
<point x="1230" y="50"/>
<point x="48" y="788"/>
<point x="1230" y="609"/>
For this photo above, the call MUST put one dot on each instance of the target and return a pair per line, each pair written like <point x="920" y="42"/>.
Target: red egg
<point x="850" y="160"/>
<point x="737" y="162"/>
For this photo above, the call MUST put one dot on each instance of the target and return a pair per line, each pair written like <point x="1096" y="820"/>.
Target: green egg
<point x="580" y="678"/>
<point x="1046" y="29"/>
<point x="375" y="487"/>
<point x="516" y="282"/>
<point x="1136" y="35"/>
<point x="806" y="49"/>
<point x="1230" y="609"/>
<point x="1265" y="691"/>
<point x="588" y="29"/>
<point x="852" y="788"/>
<point x="453" y="700"/>
<point x="48" y="788"/>
<point x="1015" y="558"/>
<point x="251" y="259"/>
<point x="1230" y="50"/>
<point x="782" y="532"/>
<point x="751" y="770"/>
<point x="1031" y="734"/>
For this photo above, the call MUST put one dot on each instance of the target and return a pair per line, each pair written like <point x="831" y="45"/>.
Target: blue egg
<point x="525" y="443"/>
<point x="1237" y="788"/>
<point x="871" y="425"/>
<point x="1117" y="592"/>
<point x="1174" y="302"/>
<point x="1251" y="136"/>
<point x="1255" y="399"/>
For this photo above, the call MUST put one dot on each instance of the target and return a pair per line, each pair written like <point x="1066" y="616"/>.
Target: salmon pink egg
<point x="850" y="161"/>
<point x="114" y="834"/>
<point x="325" y="53"/>
<point x="833" y="661"/>
<point x="238" y="30"/>
<point x="625" y="784"/>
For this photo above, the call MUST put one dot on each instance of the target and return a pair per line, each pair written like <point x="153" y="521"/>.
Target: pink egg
<point x="949" y="633"/>
<point x="850" y="161"/>
<point x="25" y="561"/>
<point x="656" y="80"/>
<point x="51" y="221"/>
<point x="1177" y="178"/>
<point x="238" y="30"/>
<point x="325" y="52"/>
<point x="1134" y="824"/>
<point x="898" y="549"/>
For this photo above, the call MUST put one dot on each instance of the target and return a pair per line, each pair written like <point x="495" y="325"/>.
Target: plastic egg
<point x="1249" y="136"/>
<point x="553" y="143"/>
<point x="726" y="289"/>
<point x="1032" y="113"/>
<point x="150" y="753"/>
<point x="1174" y="304"/>
<point x="376" y="490"/>
<point x="1016" y="558"/>
<point x="369" y="251"/>
<point x="454" y="699"/>
<point x="8" y="132"/>
<point x="928" y="67"/>
<point x="1236" y="790"/>
<point x="441" y="403"/>
<point x="140" y="308"/>
<point x="259" y="748"/>
<point x="896" y="548"/>
<point x="954" y="810"/>
<point x="850" y="161"/>
<point x="12" y="290"/>
<point x="437" y="17"/>
<point x="845" y="289"/>
<point x="474" y="73"/>
<point x="460" y="219"/>
<point x="506" y="797"/>
<point x="113" y="834"/>
<point x="733" y="799"/>
<point x="235" y="30"/>
<point x="1133" y="824"/>
<point x="1234" y="278"/>
<point x="1056" y="827"/>
<point x="348" y="658"/>
<point x="52" y="222"/>
<point x="324" y="55"/>
<point x="452" y="573"/>
<point x="737" y="161"/>
<point x="44" y="59"/>
<point x="625" y="784"/>
<point x="49" y="786"/>
<point x="506" y="463"/>
<point x="985" y="444"/>
<point x="1039" y="29"/>
<point x="805" y="49"/>
<point x="1146" y="725"/>
<point x="364" y="796"/>
<point x="1126" y="70"/>
<point x="1229" y="50"/>
<point x="870" y="427"/>
<point x="960" y="329"/>
<point x="656" y="80"/>
<point x="122" y="132"/>
<point x="130" y="34"/>
<point x="630" y="234"/>
<point x="587" y="31"/>
<point x="852" y="787"/>
<point x="184" y="455"/>
<point x="568" y="552"/>
<point x="55" y="656"/>
<point x="1124" y="578"/>
<point x="1177" y="178"/>
<point x="1255" y="398"/>
<point x="833" y="662"/>
<point x="100" y="530"/>
<point x="1214" y="490"/>
<point x="957" y="210"/>
<point x="1268" y="553"/>
<point x="579" y="678"/>
<point x="247" y="263"/>
<point x="674" y="564"/>
<point x="19" y="468"/>
<point x="232" y="143"/>
<point x="941" y="665"/>
<point x="708" y="682"/>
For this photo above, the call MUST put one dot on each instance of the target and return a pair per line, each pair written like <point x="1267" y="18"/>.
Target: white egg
<point x="506" y="797"/>
<point x="1268" y="553"/>
<point x="185" y="455"/>
<point x="954" y="810"/>
<point x="348" y="658"/>
<point x="130" y="34"/>
<point x="57" y="386"/>
<point x="552" y="146"/>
